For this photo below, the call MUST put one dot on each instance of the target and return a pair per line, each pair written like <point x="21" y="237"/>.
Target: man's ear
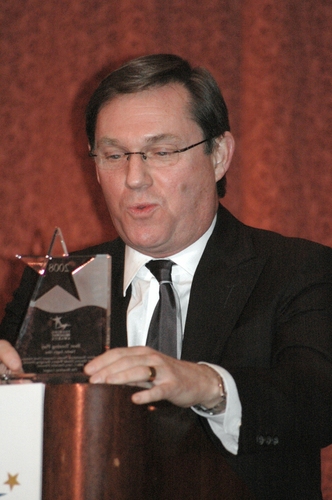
<point x="222" y="154"/>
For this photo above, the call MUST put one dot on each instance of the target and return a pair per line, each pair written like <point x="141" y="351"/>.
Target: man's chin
<point x="151" y="247"/>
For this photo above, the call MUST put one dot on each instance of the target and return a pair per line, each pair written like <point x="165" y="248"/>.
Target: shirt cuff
<point x="226" y="425"/>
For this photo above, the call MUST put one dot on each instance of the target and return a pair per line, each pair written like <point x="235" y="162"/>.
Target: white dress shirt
<point x="144" y="297"/>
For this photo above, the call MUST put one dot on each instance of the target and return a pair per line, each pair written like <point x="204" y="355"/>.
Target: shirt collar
<point x="188" y="258"/>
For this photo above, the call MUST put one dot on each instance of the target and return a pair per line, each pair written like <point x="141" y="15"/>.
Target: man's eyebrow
<point x="108" y="141"/>
<point x="162" y="137"/>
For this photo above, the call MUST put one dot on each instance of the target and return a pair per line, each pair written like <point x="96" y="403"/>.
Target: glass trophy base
<point x="45" y="378"/>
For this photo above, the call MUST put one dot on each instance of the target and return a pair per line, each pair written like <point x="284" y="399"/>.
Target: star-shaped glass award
<point x="68" y="319"/>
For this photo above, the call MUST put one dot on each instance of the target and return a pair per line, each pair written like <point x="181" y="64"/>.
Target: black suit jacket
<point x="261" y="307"/>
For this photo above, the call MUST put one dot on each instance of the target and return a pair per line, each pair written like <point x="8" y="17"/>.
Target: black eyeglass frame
<point x="142" y="153"/>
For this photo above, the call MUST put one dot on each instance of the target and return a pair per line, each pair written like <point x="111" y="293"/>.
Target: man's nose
<point x="137" y="171"/>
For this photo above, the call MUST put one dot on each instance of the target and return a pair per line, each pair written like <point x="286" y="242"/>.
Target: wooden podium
<point x="98" y="445"/>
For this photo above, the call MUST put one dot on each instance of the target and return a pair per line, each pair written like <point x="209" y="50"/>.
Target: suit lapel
<point x="223" y="282"/>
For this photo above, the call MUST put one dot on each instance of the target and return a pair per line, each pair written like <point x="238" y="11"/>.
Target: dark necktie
<point x="162" y="334"/>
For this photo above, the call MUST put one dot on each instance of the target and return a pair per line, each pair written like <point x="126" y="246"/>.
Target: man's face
<point x="158" y="211"/>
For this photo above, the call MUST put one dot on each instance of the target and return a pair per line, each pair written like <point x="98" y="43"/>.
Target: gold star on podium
<point x="12" y="481"/>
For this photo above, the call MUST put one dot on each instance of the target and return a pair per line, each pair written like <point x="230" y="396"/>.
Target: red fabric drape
<point x="271" y="59"/>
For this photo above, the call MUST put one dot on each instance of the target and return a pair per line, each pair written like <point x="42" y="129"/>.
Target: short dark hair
<point x="207" y="104"/>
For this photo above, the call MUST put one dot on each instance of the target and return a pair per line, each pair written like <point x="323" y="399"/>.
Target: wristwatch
<point x="220" y="406"/>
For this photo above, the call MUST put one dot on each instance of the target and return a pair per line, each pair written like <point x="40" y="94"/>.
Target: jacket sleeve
<point x="16" y="309"/>
<point x="290" y="399"/>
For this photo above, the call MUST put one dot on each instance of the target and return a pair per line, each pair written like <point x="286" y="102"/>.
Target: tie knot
<point x="161" y="269"/>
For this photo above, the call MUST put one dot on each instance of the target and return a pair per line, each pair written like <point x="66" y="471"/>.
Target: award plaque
<point x="68" y="318"/>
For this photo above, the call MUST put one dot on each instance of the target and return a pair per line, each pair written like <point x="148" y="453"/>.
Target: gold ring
<point x="153" y="373"/>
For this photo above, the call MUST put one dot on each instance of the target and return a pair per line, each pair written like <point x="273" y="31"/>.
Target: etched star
<point x="56" y="271"/>
<point x="53" y="277"/>
<point x="12" y="481"/>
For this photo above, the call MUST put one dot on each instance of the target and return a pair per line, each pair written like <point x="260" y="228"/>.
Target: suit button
<point x="268" y="440"/>
<point x="260" y="440"/>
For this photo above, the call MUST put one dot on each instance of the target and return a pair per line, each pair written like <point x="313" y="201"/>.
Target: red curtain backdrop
<point x="271" y="59"/>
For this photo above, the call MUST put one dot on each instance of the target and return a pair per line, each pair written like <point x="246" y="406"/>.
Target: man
<point x="255" y="348"/>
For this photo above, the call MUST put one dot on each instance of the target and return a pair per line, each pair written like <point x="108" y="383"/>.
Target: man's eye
<point x="113" y="156"/>
<point x="162" y="152"/>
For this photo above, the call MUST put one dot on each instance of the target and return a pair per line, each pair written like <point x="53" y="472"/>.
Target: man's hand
<point x="9" y="358"/>
<point x="180" y="382"/>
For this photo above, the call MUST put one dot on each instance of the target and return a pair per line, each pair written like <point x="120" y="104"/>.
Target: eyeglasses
<point x="154" y="156"/>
